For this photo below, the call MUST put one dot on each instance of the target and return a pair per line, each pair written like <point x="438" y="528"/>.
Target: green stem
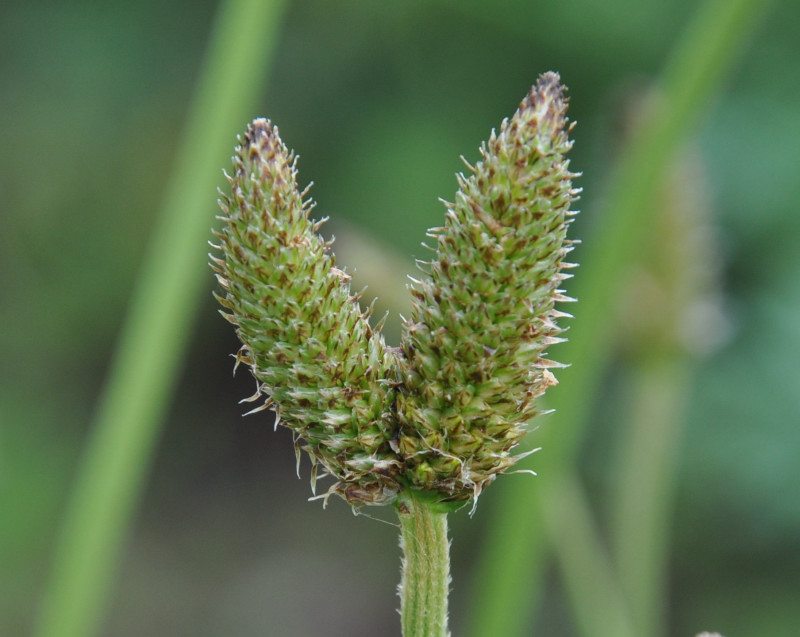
<point x="157" y="326"/>
<point x="646" y="485"/>
<point x="590" y="583"/>
<point x="425" y="580"/>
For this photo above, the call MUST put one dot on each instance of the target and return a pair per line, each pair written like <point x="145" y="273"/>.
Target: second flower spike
<point x="484" y="316"/>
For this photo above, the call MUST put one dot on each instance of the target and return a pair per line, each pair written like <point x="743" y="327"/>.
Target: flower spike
<point x="306" y="340"/>
<point x="475" y="342"/>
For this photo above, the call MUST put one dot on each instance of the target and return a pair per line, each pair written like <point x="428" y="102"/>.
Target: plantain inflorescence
<point x="316" y="359"/>
<point x="442" y="414"/>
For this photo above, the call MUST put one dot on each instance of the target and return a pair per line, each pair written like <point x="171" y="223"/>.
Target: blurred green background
<point x="379" y="100"/>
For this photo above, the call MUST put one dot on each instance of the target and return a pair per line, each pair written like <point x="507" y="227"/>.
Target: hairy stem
<point x="426" y="569"/>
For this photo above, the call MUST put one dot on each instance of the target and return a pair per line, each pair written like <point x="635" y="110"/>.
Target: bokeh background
<point x="379" y="100"/>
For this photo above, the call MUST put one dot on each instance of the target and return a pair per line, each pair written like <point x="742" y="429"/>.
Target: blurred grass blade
<point x="597" y="600"/>
<point x="646" y="482"/>
<point x="509" y="574"/>
<point x="674" y="301"/>
<point x="158" y="325"/>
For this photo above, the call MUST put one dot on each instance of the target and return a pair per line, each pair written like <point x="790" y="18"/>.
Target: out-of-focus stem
<point x="697" y="67"/>
<point x="157" y="326"/>
<point x="645" y="486"/>
<point x="599" y="603"/>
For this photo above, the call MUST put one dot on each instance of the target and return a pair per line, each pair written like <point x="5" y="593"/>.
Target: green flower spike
<point x="474" y="347"/>
<point x="310" y="347"/>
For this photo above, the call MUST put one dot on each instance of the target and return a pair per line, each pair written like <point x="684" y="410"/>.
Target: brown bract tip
<point x="259" y="129"/>
<point x="546" y="99"/>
